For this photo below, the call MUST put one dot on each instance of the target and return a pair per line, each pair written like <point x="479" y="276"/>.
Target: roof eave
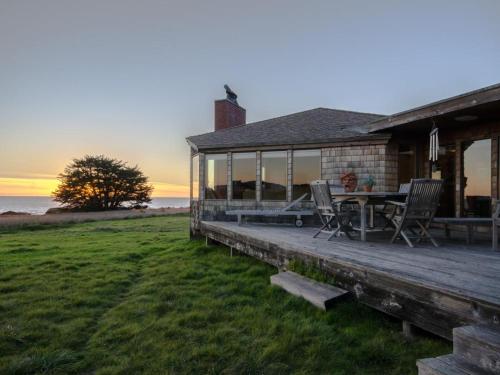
<point x="192" y="144"/>
<point x="464" y="101"/>
<point x="323" y="142"/>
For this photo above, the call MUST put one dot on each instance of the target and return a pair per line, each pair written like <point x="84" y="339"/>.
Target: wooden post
<point x="408" y="330"/>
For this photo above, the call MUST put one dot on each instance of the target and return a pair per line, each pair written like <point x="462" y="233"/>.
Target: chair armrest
<point x="396" y="203"/>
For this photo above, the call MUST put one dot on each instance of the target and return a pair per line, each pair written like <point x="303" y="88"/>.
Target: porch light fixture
<point x="466" y="118"/>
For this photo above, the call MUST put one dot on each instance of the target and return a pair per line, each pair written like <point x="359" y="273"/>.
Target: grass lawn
<point x="136" y="296"/>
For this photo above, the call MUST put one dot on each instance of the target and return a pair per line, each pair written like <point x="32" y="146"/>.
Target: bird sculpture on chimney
<point x="231" y="95"/>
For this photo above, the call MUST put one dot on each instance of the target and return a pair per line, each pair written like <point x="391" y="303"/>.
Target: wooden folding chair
<point x="418" y="210"/>
<point x="334" y="217"/>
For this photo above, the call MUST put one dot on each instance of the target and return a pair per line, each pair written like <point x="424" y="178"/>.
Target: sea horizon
<point x="39" y="204"/>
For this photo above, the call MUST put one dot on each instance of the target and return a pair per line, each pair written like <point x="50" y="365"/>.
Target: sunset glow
<point x="27" y="186"/>
<point x="45" y="186"/>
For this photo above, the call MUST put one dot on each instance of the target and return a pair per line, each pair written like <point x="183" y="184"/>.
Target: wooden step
<point x="448" y="364"/>
<point x="319" y="294"/>
<point x="479" y="345"/>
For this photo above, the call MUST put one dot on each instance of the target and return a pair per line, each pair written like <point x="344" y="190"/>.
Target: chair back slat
<point x="321" y="195"/>
<point x="404" y="188"/>
<point x="423" y="197"/>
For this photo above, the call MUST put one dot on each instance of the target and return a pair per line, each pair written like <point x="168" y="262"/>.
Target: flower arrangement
<point x="350" y="181"/>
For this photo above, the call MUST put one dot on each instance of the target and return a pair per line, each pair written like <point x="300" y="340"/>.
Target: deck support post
<point x="408" y="330"/>
<point x="231" y="253"/>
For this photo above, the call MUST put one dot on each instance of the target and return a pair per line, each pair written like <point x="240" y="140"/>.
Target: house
<point x="269" y="163"/>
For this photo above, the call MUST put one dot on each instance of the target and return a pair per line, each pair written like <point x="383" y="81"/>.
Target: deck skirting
<point x="433" y="307"/>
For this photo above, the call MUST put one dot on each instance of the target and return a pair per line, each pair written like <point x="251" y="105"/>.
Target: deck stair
<point x="476" y="350"/>
<point x="319" y="294"/>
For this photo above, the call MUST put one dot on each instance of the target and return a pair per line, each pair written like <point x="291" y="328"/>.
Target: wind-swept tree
<point x="97" y="183"/>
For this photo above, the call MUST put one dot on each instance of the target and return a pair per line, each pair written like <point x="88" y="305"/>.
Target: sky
<point x="131" y="79"/>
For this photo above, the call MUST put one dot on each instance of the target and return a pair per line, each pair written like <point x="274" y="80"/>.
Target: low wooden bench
<point x="469" y="222"/>
<point x="285" y="211"/>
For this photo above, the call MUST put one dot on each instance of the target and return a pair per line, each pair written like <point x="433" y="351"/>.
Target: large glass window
<point x="306" y="168"/>
<point x="274" y="175"/>
<point x="477" y="178"/>
<point x="216" y="176"/>
<point x="195" y="176"/>
<point x="244" y="175"/>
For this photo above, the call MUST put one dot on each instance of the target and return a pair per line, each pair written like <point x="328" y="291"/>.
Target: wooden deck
<point x="435" y="289"/>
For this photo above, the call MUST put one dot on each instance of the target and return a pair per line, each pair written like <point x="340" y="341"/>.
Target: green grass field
<point x="136" y="296"/>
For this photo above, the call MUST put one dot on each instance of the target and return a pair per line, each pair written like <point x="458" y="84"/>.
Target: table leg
<point x="372" y="210"/>
<point x="362" y="206"/>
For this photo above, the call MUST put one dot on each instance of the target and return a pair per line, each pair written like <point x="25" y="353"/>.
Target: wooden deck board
<point x="452" y="276"/>
<point x="457" y="271"/>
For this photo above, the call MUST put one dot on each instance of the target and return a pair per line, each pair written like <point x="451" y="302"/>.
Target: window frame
<point x="193" y="197"/>
<point x="262" y="199"/>
<point x="232" y="176"/>
<point x="205" y="177"/>
<point x="293" y="168"/>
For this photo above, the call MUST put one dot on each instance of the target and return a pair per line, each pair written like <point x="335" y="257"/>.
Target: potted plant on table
<point x="368" y="183"/>
<point x="350" y="181"/>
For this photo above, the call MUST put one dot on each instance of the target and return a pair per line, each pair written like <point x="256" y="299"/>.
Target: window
<point x="195" y="176"/>
<point x="244" y="173"/>
<point x="306" y="168"/>
<point x="274" y="175"/>
<point x="477" y="178"/>
<point x="216" y="176"/>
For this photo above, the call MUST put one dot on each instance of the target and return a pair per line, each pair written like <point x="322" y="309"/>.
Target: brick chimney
<point x="228" y="112"/>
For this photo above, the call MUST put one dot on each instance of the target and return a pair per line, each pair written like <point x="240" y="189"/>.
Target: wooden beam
<point x="468" y="100"/>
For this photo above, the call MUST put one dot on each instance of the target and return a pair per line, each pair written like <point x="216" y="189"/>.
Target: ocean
<point x="39" y="205"/>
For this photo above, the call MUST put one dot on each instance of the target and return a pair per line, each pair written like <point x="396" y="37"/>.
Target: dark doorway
<point x="407" y="163"/>
<point x="445" y="169"/>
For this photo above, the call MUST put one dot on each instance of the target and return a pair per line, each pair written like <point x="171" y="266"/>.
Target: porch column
<point x="202" y="177"/>
<point x="459" y="172"/>
<point x="258" y="178"/>
<point x="494" y="168"/>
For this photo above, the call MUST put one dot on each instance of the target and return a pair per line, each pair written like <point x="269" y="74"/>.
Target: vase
<point x="349" y="181"/>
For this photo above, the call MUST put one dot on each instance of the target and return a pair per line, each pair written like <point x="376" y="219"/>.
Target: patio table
<point x="364" y="199"/>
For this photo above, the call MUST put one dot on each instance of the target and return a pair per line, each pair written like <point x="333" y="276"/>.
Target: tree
<point x="96" y="183"/>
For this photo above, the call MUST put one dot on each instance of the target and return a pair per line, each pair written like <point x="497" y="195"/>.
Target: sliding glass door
<point x="476" y="180"/>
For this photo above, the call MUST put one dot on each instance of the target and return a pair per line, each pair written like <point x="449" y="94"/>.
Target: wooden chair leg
<point x="400" y="232"/>
<point x="406" y="238"/>
<point x="335" y="232"/>
<point x="396" y="232"/>
<point x="426" y="233"/>
<point x="319" y="231"/>
<point x="326" y="224"/>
